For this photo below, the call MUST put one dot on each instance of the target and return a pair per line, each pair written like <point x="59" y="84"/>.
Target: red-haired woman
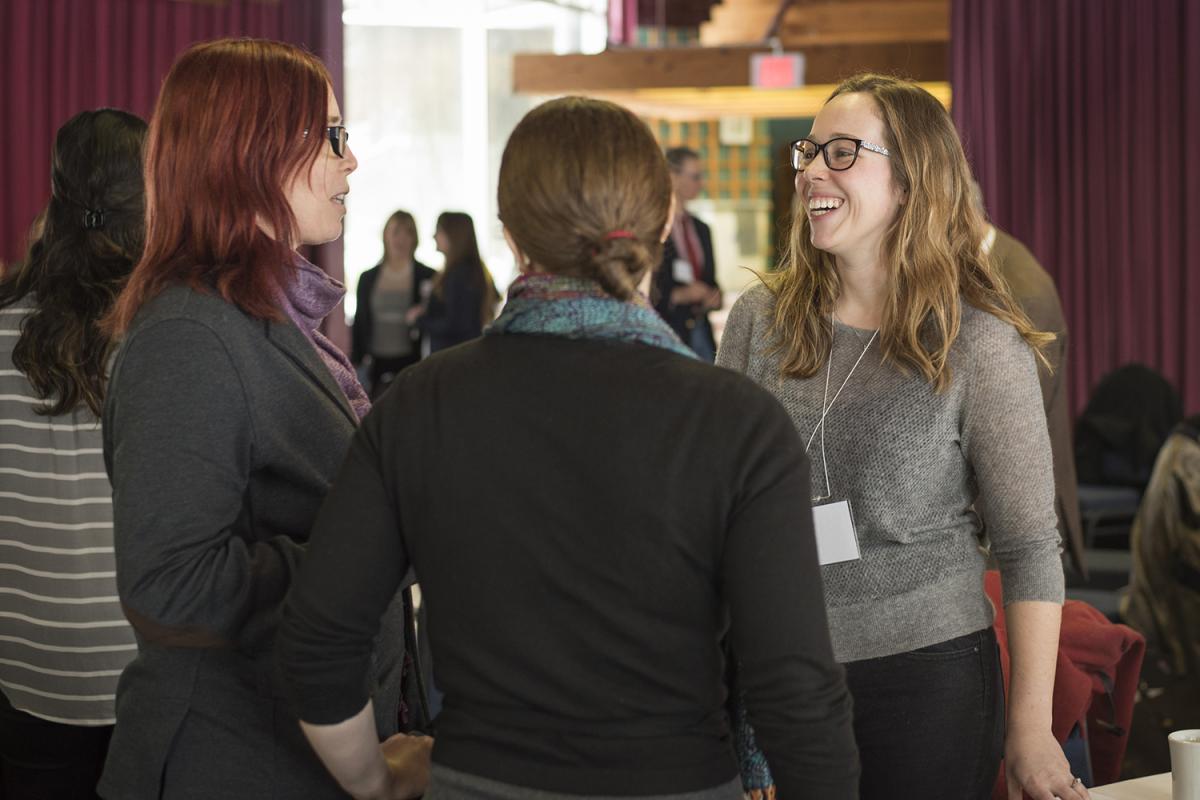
<point x="227" y="415"/>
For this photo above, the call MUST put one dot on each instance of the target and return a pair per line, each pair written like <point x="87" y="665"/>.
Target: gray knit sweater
<point x="916" y="466"/>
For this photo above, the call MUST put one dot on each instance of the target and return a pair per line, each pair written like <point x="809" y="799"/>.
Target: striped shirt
<point x="63" y="637"/>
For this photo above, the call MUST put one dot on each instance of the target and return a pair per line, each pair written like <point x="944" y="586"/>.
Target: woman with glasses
<point x="463" y="297"/>
<point x="227" y="415"/>
<point x="911" y="377"/>
<point x="575" y="618"/>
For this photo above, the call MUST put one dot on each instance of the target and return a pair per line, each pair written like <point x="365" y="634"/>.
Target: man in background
<point x="1034" y="290"/>
<point x="685" y="285"/>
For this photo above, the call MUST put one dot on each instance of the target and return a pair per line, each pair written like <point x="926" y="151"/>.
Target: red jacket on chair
<point x="1095" y="680"/>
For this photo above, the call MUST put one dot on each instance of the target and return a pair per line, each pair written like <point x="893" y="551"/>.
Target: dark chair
<point x="1128" y="417"/>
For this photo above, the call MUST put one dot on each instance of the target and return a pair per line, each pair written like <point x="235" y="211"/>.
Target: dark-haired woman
<point x="383" y="339"/>
<point x="64" y="637"/>
<point x="575" y="616"/>
<point x="227" y="415"/>
<point x="464" y="298"/>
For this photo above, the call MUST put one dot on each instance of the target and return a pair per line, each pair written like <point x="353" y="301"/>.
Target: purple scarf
<point x="307" y="299"/>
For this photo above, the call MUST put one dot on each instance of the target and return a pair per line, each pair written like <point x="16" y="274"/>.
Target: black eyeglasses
<point x="840" y="153"/>
<point x="338" y="136"/>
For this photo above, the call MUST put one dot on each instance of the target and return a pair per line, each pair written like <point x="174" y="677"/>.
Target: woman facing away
<point x="464" y="298"/>
<point x="589" y="510"/>
<point x="226" y="417"/>
<point x="64" y="637"/>
<point x="888" y="325"/>
<point x="382" y="338"/>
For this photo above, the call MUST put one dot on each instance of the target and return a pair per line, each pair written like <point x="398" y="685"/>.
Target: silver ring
<point x="1077" y="781"/>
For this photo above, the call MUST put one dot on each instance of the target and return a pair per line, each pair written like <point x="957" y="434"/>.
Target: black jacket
<point x="455" y="315"/>
<point x="221" y="436"/>
<point x="684" y="318"/>
<point x="360" y="333"/>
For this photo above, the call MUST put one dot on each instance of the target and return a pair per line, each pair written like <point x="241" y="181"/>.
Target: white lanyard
<point x="827" y="404"/>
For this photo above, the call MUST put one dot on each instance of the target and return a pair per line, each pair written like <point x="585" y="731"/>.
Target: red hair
<point x="226" y="138"/>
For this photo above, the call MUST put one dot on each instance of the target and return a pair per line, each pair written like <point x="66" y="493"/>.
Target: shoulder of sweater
<point x="1009" y="247"/>
<point x="757" y="300"/>
<point x="1028" y="279"/>
<point x="986" y="340"/>
<point x="183" y="303"/>
<point x="688" y="375"/>
<point x="983" y="326"/>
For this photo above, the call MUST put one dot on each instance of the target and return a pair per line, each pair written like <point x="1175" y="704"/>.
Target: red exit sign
<point x="771" y="71"/>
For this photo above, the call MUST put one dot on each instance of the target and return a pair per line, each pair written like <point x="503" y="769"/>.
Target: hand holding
<point x="690" y="294"/>
<point x="408" y="759"/>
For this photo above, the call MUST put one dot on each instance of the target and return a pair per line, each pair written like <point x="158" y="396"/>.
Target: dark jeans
<point x="41" y="760"/>
<point x="930" y="722"/>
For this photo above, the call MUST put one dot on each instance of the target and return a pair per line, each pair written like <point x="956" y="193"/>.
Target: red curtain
<point x="59" y="57"/>
<point x="1079" y="118"/>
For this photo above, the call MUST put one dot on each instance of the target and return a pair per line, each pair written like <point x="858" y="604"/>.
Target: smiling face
<point x="317" y="196"/>
<point x="850" y="211"/>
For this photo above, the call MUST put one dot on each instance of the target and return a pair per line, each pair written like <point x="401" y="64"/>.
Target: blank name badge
<point x="837" y="540"/>
<point x="681" y="271"/>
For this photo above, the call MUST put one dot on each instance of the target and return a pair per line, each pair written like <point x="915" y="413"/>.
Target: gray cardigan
<point x="915" y="465"/>
<point x="222" y="434"/>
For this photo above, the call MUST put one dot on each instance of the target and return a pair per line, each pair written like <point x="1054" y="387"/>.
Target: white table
<point x="1154" y="787"/>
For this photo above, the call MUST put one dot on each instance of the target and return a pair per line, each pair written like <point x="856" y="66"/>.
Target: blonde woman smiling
<point x="911" y="377"/>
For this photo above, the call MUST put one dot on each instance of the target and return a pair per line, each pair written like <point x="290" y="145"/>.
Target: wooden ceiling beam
<point x="689" y="67"/>
<point x="829" y="22"/>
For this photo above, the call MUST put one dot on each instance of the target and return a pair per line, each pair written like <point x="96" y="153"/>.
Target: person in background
<point x="685" y="285"/>
<point x="1163" y="601"/>
<point x="382" y="338"/>
<point x="576" y="618"/>
<point x="65" y="638"/>
<point x="1034" y="292"/>
<point x="464" y="297"/>
<point x="226" y="417"/>
<point x="911" y="374"/>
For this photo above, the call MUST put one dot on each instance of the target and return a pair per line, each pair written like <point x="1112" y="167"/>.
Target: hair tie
<point x="619" y="234"/>
<point x="93" y="219"/>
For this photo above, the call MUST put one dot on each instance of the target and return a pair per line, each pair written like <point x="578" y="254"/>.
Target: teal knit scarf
<point x="577" y="308"/>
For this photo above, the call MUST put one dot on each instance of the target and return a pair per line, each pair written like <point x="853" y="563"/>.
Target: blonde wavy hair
<point x="932" y="251"/>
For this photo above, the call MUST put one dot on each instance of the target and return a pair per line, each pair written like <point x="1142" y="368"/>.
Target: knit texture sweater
<point x="922" y="471"/>
<point x="587" y="520"/>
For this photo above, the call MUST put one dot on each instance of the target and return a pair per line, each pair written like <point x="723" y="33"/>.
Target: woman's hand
<point x="414" y="314"/>
<point x="690" y="294"/>
<point x="408" y="765"/>
<point x="397" y="769"/>
<point x="1034" y="765"/>
<point x="1033" y="758"/>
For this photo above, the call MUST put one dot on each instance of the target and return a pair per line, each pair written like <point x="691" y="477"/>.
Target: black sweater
<point x="587" y="521"/>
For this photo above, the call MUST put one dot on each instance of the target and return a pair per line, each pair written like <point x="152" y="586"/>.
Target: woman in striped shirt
<point x="63" y="638"/>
